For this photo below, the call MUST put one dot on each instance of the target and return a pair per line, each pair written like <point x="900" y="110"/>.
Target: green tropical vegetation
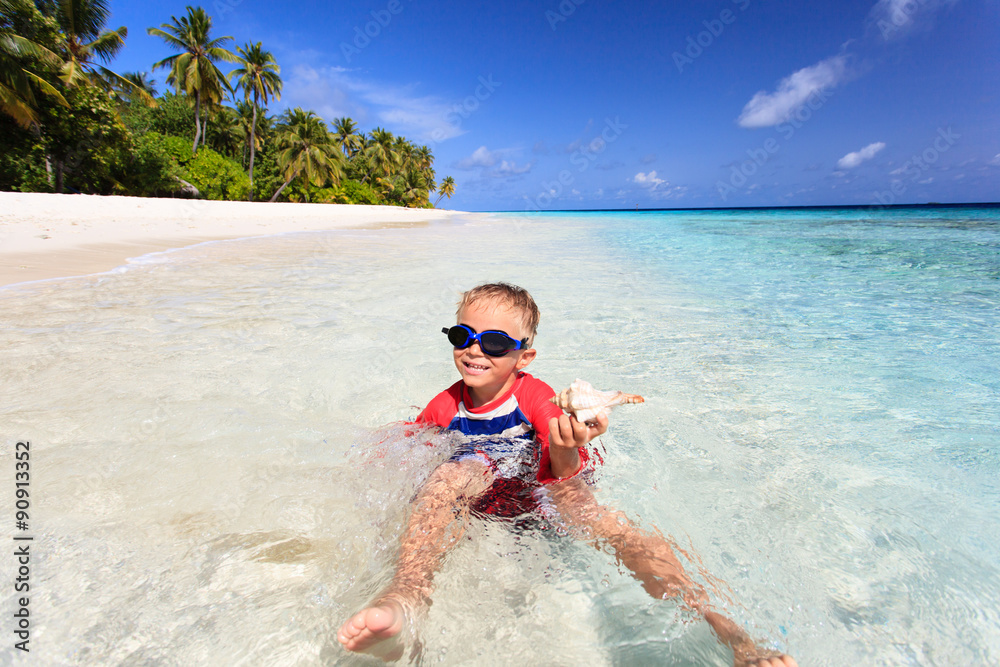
<point x="68" y="123"/>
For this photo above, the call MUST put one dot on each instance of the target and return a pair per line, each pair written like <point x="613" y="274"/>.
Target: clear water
<point x="216" y="478"/>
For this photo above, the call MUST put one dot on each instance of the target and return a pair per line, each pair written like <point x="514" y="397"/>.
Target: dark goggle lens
<point x="459" y="337"/>
<point x="492" y="343"/>
<point x="495" y="344"/>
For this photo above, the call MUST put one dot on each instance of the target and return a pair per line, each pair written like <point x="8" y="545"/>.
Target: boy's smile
<point x="489" y="377"/>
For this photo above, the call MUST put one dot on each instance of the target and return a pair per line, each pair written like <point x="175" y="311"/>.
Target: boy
<point x="538" y="456"/>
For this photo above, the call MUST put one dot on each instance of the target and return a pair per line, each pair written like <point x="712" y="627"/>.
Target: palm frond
<point x="109" y="43"/>
<point x="16" y="107"/>
<point x="130" y="87"/>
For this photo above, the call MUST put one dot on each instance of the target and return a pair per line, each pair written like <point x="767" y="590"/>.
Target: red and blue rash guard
<point x="511" y="432"/>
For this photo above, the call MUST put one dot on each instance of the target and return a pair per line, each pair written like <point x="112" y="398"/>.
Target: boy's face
<point x="489" y="377"/>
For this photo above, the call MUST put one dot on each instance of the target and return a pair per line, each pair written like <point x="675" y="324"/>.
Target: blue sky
<point x="576" y="104"/>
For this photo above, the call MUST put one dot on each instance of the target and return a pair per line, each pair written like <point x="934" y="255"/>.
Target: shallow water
<point x="214" y="480"/>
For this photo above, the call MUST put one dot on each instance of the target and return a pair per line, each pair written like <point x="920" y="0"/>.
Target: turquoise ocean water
<point x="216" y="478"/>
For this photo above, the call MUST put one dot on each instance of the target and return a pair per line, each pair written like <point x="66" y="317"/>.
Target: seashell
<point x="586" y="403"/>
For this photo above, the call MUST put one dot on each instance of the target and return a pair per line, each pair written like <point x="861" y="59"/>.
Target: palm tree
<point x="307" y="148"/>
<point x="193" y="69"/>
<point x="84" y="39"/>
<point x="423" y="158"/>
<point x="381" y="156"/>
<point x="404" y="149"/>
<point x="258" y="76"/>
<point x="245" y="114"/>
<point x="227" y="136"/>
<point x="413" y="188"/>
<point x="17" y="98"/>
<point x="447" y="189"/>
<point x="347" y="133"/>
<point x="140" y="80"/>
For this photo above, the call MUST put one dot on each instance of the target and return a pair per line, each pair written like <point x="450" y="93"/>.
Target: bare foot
<point x="375" y="630"/>
<point x="779" y="660"/>
<point x="748" y="654"/>
<point x="745" y="652"/>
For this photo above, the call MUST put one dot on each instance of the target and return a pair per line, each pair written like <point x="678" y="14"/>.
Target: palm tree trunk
<point x="283" y="186"/>
<point x="59" y="176"/>
<point x="197" y="122"/>
<point x="253" y="140"/>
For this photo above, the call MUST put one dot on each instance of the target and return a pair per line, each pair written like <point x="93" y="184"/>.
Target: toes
<point x="780" y="661"/>
<point x="373" y="630"/>
<point x="353" y="628"/>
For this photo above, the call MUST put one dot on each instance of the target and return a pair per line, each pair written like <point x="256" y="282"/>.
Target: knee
<point x="469" y="473"/>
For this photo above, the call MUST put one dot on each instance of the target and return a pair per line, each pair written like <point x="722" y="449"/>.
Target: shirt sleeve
<point x="535" y="395"/>
<point x="443" y="407"/>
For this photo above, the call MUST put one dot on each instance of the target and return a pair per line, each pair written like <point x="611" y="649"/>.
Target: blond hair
<point x="504" y="294"/>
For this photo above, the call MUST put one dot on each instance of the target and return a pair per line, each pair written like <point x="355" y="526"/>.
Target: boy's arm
<point x="443" y="407"/>
<point x="566" y="436"/>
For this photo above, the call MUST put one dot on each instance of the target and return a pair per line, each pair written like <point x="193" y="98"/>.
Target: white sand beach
<point x="50" y="236"/>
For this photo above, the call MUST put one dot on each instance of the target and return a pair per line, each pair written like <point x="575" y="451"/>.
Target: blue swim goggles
<point x="493" y="343"/>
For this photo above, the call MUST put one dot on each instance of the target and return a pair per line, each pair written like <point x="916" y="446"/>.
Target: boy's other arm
<point x="566" y="436"/>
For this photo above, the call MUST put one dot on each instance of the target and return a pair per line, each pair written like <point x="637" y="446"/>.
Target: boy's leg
<point x="648" y="556"/>
<point x="651" y="559"/>
<point x="436" y="524"/>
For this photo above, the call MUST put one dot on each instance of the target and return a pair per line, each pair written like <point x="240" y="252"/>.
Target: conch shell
<point x="586" y="403"/>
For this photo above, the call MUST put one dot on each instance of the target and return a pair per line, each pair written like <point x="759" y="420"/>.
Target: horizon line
<point x="753" y="208"/>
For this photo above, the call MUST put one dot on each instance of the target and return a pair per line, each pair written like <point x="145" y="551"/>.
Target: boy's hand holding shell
<point x="585" y="403"/>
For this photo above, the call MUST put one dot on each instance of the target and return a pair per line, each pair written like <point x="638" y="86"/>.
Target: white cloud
<point x="895" y="18"/>
<point x="492" y="163"/>
<point x="657" y="187"/>
<point x="333" y="92"/>
<point x="852" y="160"/>
<point x="648" y="180"/>
<point x="996" y="159"/>
<point x="507" y="168"/>
<point x="321" y="92"/>
<point x="767" y="109"/>
<point x="481" y="157"/>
